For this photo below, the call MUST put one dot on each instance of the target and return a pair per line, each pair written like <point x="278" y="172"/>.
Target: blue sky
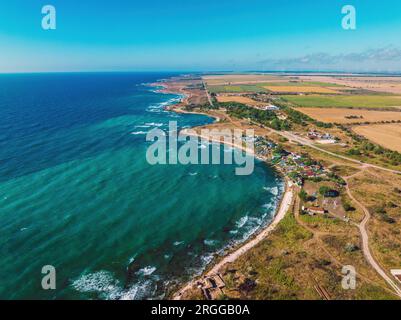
<point x="196" y="35"/>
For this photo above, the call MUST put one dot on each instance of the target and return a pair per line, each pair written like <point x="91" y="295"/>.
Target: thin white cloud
<point x="386" y="58"/>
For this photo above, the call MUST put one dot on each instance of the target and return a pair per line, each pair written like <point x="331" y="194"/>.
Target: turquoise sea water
<point x="77" y="193"/>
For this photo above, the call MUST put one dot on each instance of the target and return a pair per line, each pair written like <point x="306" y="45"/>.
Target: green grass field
<point x="260" y="87"/>
<point x="303" y="84"/>
<point x="352" y="101"/>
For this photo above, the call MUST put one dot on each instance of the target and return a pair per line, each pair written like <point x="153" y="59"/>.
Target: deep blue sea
<point x="77" y="193"/>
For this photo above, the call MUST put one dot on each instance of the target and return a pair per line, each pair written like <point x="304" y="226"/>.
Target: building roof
<point x="316" y="209"/>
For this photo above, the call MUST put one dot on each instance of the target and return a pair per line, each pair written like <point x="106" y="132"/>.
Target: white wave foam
<point x="131" y="260"/>
<point x="267" y="206"/>
<point x="138" y="132"/>
<point x="104" y="284"/>
<point x="161" y="106"/>
<point x="210" y="242"/>
<point x="147" y="271"/>
<point x="174" y="115"/>
<point x="274" y="191"/>
<point x="138" y="291"/>
<point x="101" y="281"/>
<point x="241" y="222"/>
<point x="206" y="259"/>
<point x="154" y="124"/>
<point x="154" y="110"/>
<point x="249" y="232"/>
<point x="193" y="173"/>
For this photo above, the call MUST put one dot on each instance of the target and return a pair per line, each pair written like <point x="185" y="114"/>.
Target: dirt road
<point x="365" y="240"/>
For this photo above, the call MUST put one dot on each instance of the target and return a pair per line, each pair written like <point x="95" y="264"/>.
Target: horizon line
<point x="208" y="72"/>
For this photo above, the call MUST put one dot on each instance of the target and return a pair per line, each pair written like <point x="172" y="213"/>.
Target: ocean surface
<point x="77" y="193"/>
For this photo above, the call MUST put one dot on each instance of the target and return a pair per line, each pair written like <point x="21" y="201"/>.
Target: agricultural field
<point x="295" y="83"/>
<point x="372" y="83"/>
<point x="301" y="89"/>
<point x="386" y="135"/>
<point x="347" y="116"/>
<point x="239" y="78"/>
<point x="254" y="83"/>
<point x="346" y="101"/>
<point x="240" y="88"/>
<point x="274" y="86"/>
<point x="240" y="99"/>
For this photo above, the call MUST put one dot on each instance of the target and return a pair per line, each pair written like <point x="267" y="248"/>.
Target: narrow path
<point x="365" y="240"/>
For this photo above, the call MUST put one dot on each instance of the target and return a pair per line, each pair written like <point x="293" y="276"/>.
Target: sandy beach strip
<point x="231" y="257"/>
<point x="211" y="138"/>
<point x="283" y="208"/>
<point x="285" y="205"/>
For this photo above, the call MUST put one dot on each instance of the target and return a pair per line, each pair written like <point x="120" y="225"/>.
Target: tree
<point x="348" y="207"/>
<point x="354" y="152"/>
<point x="323" y="190"/>
<point x="303" y="195"/>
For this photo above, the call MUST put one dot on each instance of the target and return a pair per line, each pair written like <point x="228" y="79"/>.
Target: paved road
<point x="303" y="141"/>
<point x="208" y="95"/>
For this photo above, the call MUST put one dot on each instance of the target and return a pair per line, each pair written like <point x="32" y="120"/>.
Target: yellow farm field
<point x="244" y="100"/>
<point x="300" y="89"/>
<point x="239" y="78"/>
<point x="386" y="135"/>
<point x="339" y="115"/>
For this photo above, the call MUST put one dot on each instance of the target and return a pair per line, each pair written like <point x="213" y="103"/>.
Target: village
<point x="319" y="184"/>
<point x="297" y="167"/>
